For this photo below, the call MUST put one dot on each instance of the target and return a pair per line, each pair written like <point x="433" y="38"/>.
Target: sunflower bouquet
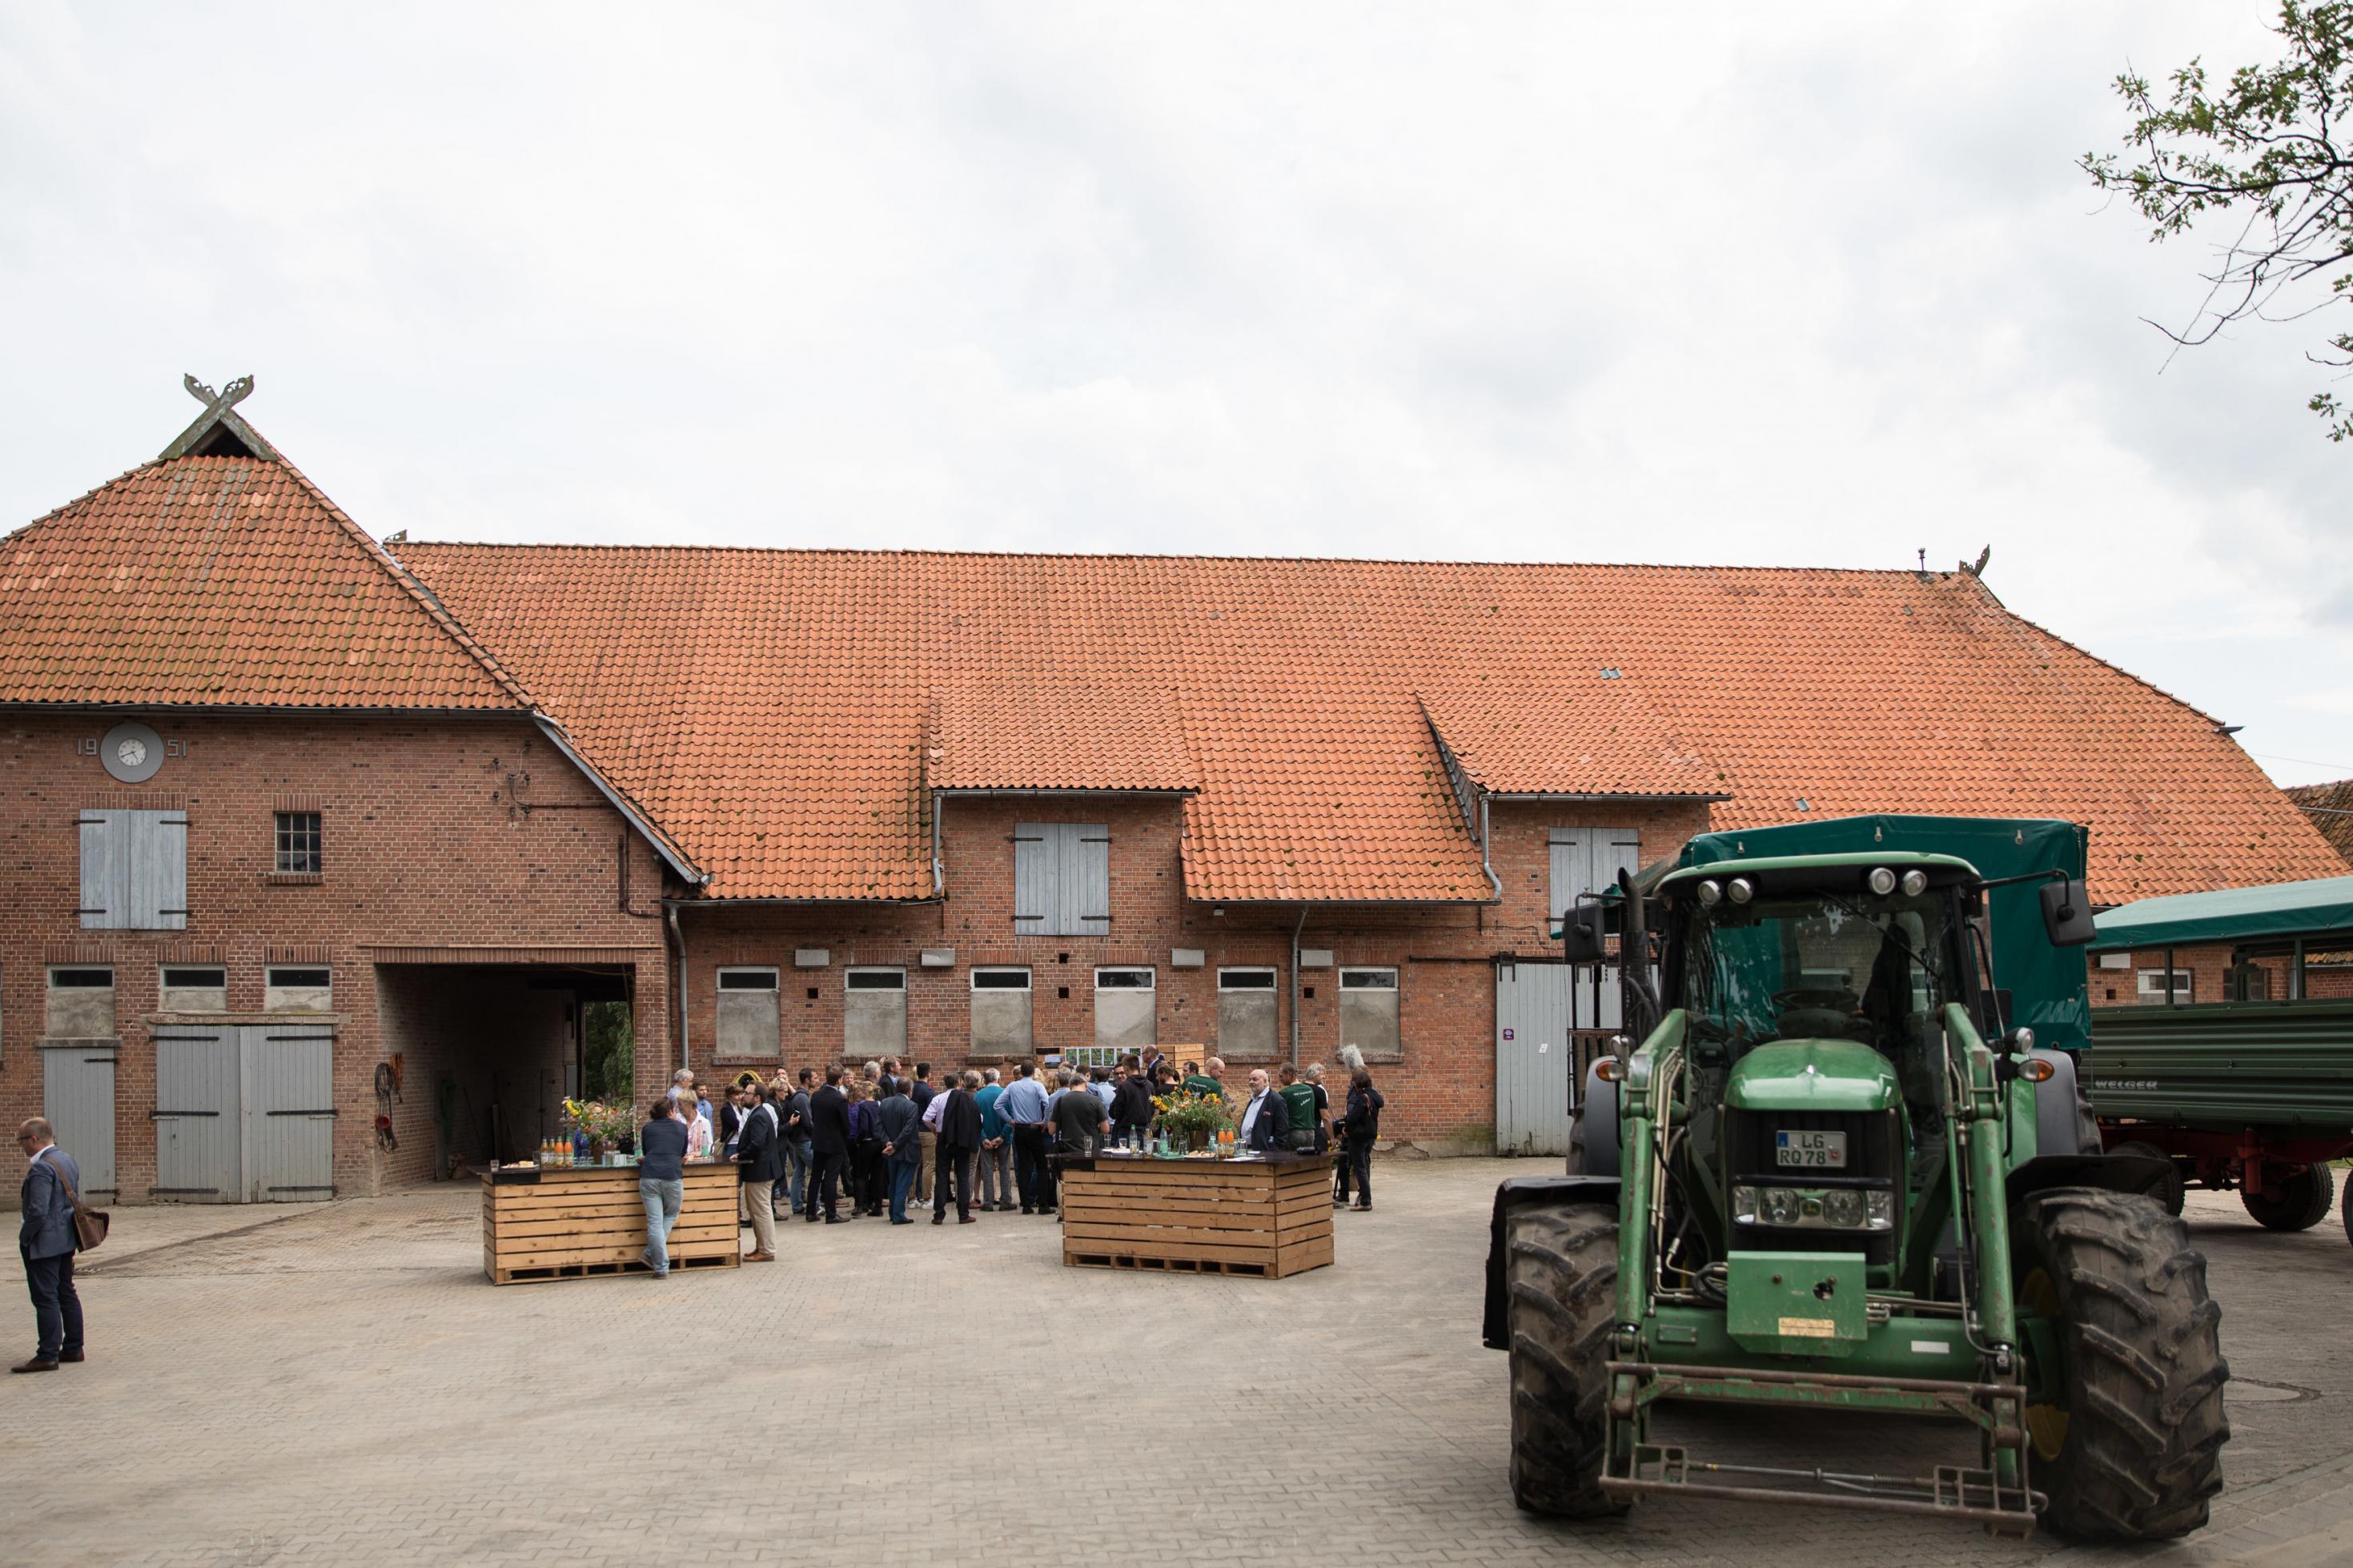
<point x="606" y="1124"/>
<point x="1190" y="1118"/>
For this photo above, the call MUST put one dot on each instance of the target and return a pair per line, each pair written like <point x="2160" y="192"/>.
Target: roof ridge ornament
<point x="219" y="402"/>
<point x="219" y="430"/>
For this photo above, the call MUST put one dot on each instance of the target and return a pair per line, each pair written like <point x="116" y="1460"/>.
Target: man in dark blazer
<point x="959" y="1141"/>
<point x="759" y="1162"/>
<point x="46" y="1241"/>
<point x="901" y="1128"/>
<point x="1264" y="1119"/>
<point x="830" y="1139"/>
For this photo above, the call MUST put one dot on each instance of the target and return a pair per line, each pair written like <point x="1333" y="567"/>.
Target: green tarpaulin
<point x="2045" y="983"/>
<point x="2234" y="914"/>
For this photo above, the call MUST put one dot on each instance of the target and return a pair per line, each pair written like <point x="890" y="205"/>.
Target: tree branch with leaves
<point x="2264" y="146"/>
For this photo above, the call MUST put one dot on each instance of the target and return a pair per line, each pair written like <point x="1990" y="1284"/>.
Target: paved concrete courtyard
<point x="324" y="1384"/>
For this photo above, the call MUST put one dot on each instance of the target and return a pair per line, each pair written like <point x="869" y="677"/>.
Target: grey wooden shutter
<point x="1086" y="878"/>
<point x="1616" y="850"/>
<point x="97" y="856"/>
<point x="1033" y="878"/>
<point x="156" y="873"/>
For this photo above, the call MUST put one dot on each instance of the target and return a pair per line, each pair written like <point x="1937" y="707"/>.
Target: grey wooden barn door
<point x="289" y="1071"/>
<point x="77" y="1098"/>
<point x="199" y="1114"/>
<point x="1535" y="1054"/>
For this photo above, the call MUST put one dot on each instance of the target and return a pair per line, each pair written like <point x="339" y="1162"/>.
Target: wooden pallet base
<point x="1162" y="1265"/>
<point x="593" y="1270"/>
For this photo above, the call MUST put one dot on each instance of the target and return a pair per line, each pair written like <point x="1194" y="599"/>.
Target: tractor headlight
<point x="1744" y="1205"/>
<point x="1711" y="893"/>
<point x="1882" y="881"/>
<point x="1843" y="1207"/>
<point x="1777" y="1205"/>
<point x="1741" y="889"/>
<point x="1915" y="882"/>
<point x="1881" y="1205"/>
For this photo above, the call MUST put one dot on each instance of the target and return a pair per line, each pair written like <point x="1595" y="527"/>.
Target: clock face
<point x="132" y="752"/>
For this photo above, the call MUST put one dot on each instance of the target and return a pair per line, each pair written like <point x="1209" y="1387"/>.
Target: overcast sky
<point x="1788" y="284"/>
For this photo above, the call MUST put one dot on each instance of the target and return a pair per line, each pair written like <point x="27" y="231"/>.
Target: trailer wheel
<point x="2173" y="1185"/>
<point x="1561" y="1269"/>
<point x="2291" y="1203"/>
<point x="2125" y="1409"/>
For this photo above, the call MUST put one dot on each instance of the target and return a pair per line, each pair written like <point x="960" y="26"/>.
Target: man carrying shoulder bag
<point x="53" y="1228"/>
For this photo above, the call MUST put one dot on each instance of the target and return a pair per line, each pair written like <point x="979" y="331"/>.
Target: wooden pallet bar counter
<point x="1267" y="1216"/>
<point x="576" y="1222"/>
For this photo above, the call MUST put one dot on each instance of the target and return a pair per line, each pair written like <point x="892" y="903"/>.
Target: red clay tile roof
<point x="776" y="710"/>
<point x="224" y="580"/>
<point x="2330" y="808"/>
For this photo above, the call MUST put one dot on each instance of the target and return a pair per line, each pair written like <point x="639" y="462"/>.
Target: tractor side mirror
<point x="1582" y="939"/>
<point x="2067" y="913"/>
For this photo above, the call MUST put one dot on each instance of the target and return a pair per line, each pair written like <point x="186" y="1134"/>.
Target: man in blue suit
<point x="46" y="1239"/>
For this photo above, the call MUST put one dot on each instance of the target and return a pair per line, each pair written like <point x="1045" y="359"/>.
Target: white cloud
<point x="1796" y="284"/>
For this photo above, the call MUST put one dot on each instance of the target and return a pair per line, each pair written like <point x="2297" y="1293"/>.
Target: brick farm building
<point x="317" y="847"/>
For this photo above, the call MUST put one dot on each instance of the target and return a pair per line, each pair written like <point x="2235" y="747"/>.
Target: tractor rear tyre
<point x="1561" y="1270"/>
<point x="2297" y="1202"/>
<point x="2173" y="1185"/>
<point x="2128" y="1440"/>
<point x="2345" y="1205"/>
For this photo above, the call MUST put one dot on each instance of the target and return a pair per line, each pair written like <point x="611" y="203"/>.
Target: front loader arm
<point x="1980" y="1170"/>
<point x="1645" y="1103"/>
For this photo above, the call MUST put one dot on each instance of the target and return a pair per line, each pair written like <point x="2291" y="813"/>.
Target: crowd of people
<point x="877" y="1141"/>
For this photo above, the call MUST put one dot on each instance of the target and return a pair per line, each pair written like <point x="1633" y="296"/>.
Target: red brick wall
<point x="428" y="844"/>
<point x="1444" y="1087"/>
<point x="2208" y="967"/>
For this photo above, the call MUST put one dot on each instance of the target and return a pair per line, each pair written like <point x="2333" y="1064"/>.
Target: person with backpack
<point x="1359" y="1127"/>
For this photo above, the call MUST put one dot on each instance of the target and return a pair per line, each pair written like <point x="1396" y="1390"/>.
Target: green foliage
<point x="610" y="1066"/>
<point x="2263" y="146"/>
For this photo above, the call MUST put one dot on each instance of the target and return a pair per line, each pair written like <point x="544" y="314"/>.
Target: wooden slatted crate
<point x="589" y="1220"/>
<point x="1267" y="1218"/>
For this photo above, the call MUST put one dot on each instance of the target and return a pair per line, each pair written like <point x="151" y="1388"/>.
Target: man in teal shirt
<point x="996" y="1182"/>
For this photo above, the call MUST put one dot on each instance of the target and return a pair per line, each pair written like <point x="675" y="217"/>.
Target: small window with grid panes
<point x="299" y="844"/>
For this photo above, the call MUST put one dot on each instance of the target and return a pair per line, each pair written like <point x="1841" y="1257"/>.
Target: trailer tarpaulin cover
<point x="2234" y="914"/>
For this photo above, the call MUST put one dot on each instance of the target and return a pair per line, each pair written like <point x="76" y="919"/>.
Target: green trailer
<point x="1835" y="1169"/>
<point x="2253" y="1093"/>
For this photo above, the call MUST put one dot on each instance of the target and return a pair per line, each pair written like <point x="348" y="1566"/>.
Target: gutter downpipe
<point x="1294" y="984"/>
<point x="939" y="871"/>
<point x="677" y="991"/>
<point x="1486" y="849"/>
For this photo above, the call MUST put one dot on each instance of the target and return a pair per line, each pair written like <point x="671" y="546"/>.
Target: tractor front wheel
<point x="2297" y="1202"/>
<point x="2125" y="1373"/>
<point x="1561" y="1270"/>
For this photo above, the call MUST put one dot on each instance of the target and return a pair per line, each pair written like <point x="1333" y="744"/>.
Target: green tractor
<point x="1839" y="1172"/>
